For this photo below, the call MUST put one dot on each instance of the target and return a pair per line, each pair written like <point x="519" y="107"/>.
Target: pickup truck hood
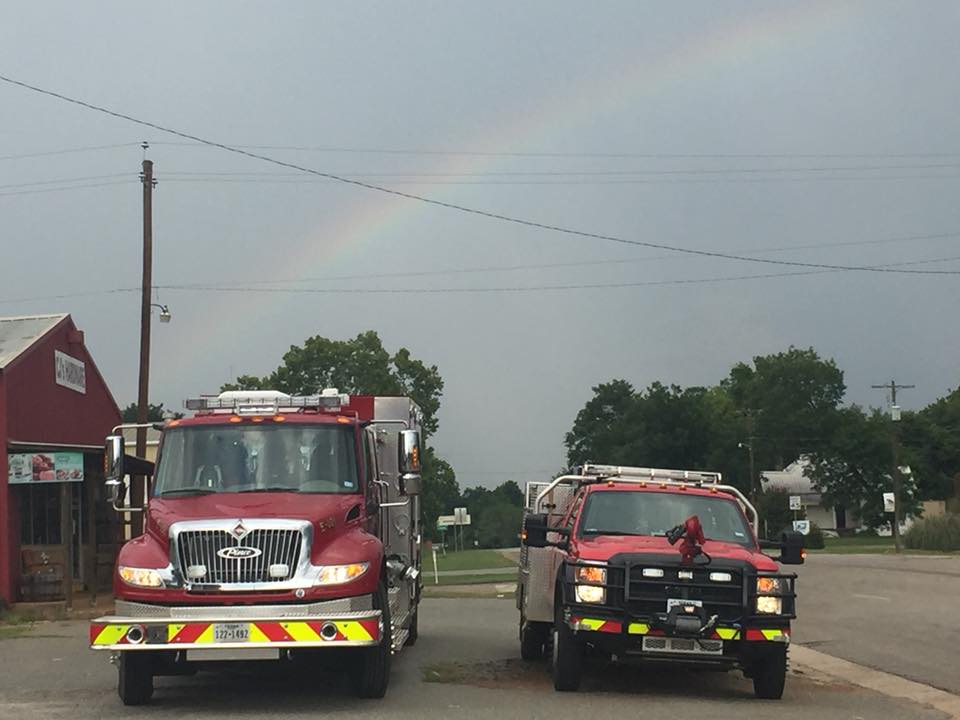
<point x="603" y="547"/>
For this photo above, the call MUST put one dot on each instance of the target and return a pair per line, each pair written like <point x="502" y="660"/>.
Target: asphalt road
<point x="469" y="645"/>
<point x="900" y="614"/>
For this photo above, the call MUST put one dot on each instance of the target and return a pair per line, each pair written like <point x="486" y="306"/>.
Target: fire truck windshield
<point x="263" y="458"/>
<point x="615" y="512"/>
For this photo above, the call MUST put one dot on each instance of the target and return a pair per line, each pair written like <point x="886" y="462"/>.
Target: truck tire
<point x="533" y="638"/>
<point x="770" y="673"/>
<point x="135" y="678"/>
<point x="372" y="672"/>
<point x="567" y="658"/>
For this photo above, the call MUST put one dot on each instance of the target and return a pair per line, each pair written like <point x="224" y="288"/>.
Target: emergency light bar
<point x="266" y="402"/>
<point x="691" y="476"/>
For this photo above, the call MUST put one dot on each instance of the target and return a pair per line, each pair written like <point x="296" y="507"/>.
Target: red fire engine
<point x="277" y="527"/>
<point x="652" y="565"/>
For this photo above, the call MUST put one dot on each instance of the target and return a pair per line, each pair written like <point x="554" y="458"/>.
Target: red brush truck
<point x="277" y="527"/>
<point x="653" y="565"/>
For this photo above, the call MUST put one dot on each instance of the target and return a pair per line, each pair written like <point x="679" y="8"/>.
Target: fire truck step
<point x="400" y="636"/>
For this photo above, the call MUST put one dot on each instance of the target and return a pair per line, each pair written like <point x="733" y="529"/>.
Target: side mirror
<point x="534" y="531"/>
<point x="411" y="480"/>
<point x="792" y="552"/>
<point x="113" y="454"/>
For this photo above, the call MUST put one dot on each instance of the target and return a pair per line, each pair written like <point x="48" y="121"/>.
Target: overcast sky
<point x="822" y="132"/>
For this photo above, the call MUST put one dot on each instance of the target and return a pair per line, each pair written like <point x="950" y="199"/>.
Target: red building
<point x="55" y="410"/>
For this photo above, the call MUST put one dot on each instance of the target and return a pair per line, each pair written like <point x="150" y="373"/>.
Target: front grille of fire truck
<point x="647" y="596"/>
<point x="277" y="560"/>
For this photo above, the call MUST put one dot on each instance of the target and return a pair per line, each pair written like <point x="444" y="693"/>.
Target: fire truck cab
<point x="277" y="527"/>
<point x="653" y="565"/>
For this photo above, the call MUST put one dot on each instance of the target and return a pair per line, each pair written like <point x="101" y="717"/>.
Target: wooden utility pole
<point x="138" y="489"/>
<point x="895" y="474"/>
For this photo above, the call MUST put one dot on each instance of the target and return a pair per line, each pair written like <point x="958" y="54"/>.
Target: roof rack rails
<point x="689" y="476"/>
<point x="642" y="476"/>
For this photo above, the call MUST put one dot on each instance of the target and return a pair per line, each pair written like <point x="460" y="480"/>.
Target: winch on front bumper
<point x="351" y="622"/>
<point x="645" y="606"/>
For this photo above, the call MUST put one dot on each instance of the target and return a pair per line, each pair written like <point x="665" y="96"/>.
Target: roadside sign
<point x="888" y="504"/>
<point x="795" y="502"/>
<point x="801" y="526"/>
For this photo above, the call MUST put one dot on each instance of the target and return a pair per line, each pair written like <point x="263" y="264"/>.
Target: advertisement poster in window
<point x="25" y="468"/>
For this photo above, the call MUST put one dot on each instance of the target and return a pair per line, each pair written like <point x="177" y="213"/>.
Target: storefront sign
<point x="71" y="373"/>
<point x="27" y="468"/>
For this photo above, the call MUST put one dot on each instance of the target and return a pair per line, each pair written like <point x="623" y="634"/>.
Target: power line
<point x="456" y="290"/>
<point x="62" y="181"/>
<point x="66" y="151"/>
<point x="650" y="156"/>
<point x="69" y="187"/>
<point x="466" y="209"/>
<point x="548" y="266"/>
<point x="596" y="173"/>
<point x="387" y="182"/>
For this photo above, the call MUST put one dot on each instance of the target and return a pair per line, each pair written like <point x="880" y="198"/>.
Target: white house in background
<point x="793" y="481"/>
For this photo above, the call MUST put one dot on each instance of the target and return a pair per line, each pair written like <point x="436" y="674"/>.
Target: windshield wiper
<point x="271" y="489"/>
<point x="186" y="491"/>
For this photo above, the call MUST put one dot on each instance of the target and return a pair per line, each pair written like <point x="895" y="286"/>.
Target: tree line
<point x="785" y="406"/>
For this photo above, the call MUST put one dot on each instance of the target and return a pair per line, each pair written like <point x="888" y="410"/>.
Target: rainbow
<point x="717" y="50"/>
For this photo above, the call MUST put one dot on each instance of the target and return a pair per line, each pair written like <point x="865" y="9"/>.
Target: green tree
<point x="791" y="400"/>
<point x="931" y="441"/>
<point x="854" y="468"/>
<point x="441" y="492"/>
<point x="495" y="515"/>
<point x="658" y="427"/>
<point x="155" y="413"/>
<point x="360" y="366"/>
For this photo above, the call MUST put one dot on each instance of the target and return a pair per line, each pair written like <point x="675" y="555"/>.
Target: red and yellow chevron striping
<point x="720" y="633"/>
<point x="104" y="635"/>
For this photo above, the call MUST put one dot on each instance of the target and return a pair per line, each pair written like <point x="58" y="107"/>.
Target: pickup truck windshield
<point x="256" y="458"/>
<point x="614" y="512"/>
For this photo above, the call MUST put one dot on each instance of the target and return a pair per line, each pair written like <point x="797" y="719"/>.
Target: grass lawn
<point x="508" y="575"/>
<point x="857" y="544"/>
<point x="466" y="560"/>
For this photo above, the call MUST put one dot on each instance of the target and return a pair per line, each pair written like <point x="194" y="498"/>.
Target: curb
<point x="817" y="663"/>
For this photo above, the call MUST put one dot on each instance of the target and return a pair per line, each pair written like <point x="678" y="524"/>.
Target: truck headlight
<point x="140" y="577"/>
<point x="339" y="574"/>
<point x="766" y="604"/>
<point x="590" y="593"/>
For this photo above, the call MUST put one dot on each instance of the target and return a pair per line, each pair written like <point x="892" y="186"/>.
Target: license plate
<point x="231" y="632"/>
<point x="674" y="602"/>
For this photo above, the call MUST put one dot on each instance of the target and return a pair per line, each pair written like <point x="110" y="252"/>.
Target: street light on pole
<point x="165" y="315"/>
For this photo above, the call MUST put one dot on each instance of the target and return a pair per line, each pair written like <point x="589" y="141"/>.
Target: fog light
<point x="653" y="572"/>
<point x="721" y="577"/>
<point x="328" y="631"/>
<point x="279" y="570"/>
<point x="685" y="574"/>
<point x="195" y="572"/>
